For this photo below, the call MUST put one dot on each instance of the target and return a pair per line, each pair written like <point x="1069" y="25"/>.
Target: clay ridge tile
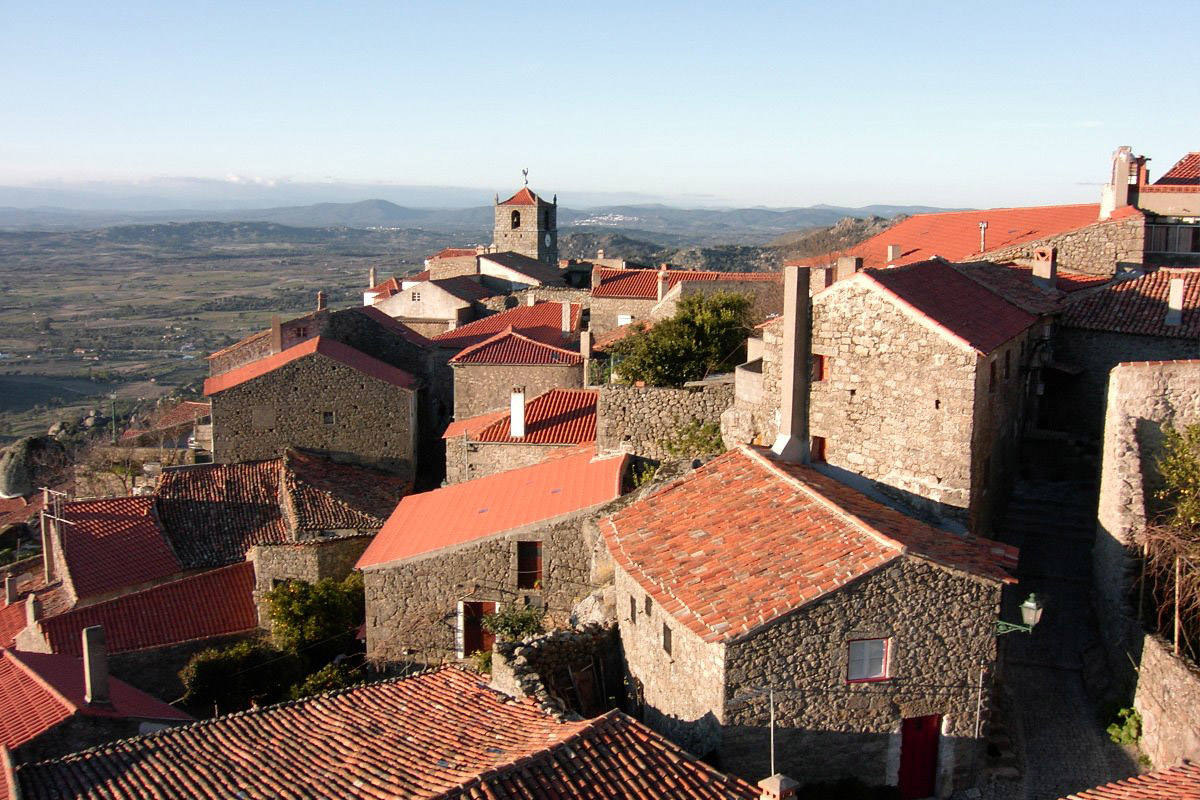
<point x="1139" y="306"/>
<point x="510" y="347"/>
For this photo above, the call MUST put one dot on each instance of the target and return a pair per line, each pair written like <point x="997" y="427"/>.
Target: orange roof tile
<point x="1139" y="306"/>
<point x="1186" y="172"/>
<point x="451" y="252"/>
<point x="541" y="322"/>
<point x="745" y="539"/>
<point x="954" y="235"/>
<point x="620" y="333"/>
<point x="559" y="416"/>
<point x="1180" y="782"/>
<point x="112" y="543"/>
<point x="185" y="412"/>
<point x="214" y="603"/>
<point x="523" y="197"/>
<point x="442" y="734"/>
<point x="509" y="347"/>
<point x="466" y="512"/>
<point x="472" y="425"/>
<point x="327" y="347"/>
<point x="643" y="283"/>
<point x="1015" y="283"/>
<point x="530" y="267"/>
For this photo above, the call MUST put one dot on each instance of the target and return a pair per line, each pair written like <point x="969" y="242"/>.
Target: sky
<point x="778" y="104"/>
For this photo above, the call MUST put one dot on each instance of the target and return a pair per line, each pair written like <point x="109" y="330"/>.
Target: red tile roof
<point x="19" y="510"/>
<point x="745" y="539"/>
<point x="559" y="416"/>
<point x="464" y="287"/>
<point x="12" y="622"/>
<point x="387" y="288"/>
<point x="472" y="425"/>
<point x="327" y="347"/>
<point x="450" y="252"/>
<point x="113" y="543"/>
<point x="957" y="305"/>
<point x="477" y="509"/>
<point x="423" y="275"/>
<point x="1180" y="782"/>
<point x="524" y="265"/>
<point x="185" y="412"/>
<point x="523" y="197"/>
<point x="620" y="333"/>
<point x="323" y="495"/>
<point x="1139" y="306"/>
<point x="1186" y="172"/>
<point x="214" y="603"/>
<point x="1015" y="283"/>
<point x="509" y="347"/>
<point x="643" y="283"/>
<point x="541" y="322"/>
<point x="39" y="690"/>
<point x="954" y="235"/>
<point x="439" y="734"/>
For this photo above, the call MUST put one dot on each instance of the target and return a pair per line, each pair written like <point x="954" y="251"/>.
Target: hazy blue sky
<point x="963" y="103"/>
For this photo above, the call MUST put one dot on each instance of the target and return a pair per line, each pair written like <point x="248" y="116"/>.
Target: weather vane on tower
<point x="525" y="172"/>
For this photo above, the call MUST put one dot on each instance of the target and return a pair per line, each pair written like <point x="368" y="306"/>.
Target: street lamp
<point x="1031" y="615"/>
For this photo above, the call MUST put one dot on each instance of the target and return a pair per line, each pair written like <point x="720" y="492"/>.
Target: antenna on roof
<point x="525" y="173"/>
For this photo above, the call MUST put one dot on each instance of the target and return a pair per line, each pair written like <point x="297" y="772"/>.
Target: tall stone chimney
<point x="1045" y="267"/>
<point x="777" y="787"/>
<point x="566" y="317"/>
<point x="846" y="267"/>
<point x="48" y="531"/>
<point x="1175" y="302"/>
<point x="983" y="236"/>
<point x="33" y="610"/>
<point x="662" y="283"/>
<point x="320" y="300"/>
<point x="791" y="444"/>
<point x="516" y="413"/>
<point x="371" y="278"/>
<point x="10" y="590"/>
<point x="95" y="666"/>
<point x="276" y="334"/>
<point x="893" y="252"/>
<point x="600" y="254"/>
<point x="585" y="344"/>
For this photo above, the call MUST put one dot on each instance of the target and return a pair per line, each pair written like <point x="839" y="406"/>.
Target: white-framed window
<point x="416" y="297"/>
<point x="624" y="319"/>
<point x="867" y="660"/>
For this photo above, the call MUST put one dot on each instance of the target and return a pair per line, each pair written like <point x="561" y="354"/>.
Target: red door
<point x="918" y="756"/>
<point x="475" y="638"/>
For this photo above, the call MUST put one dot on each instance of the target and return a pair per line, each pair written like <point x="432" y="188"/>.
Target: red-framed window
<point x="816" y="368"/>
<point x="529" y="565"/>
<point x="816" y="450"/>
<point x="868" y="660"/>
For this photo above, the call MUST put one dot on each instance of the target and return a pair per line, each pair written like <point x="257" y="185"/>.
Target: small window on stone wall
<point x="1007" y="363"/>
<point x="867" y="660"/>
<point x="816" y="449"/>
<point x="327" y="417"/>
<point x="666" y="639"/>
<point x="416" y="297"/>
<point x="649" y="605"/>
<point x="529" y="565"/>
<point x="516" y="219"/>
<point x="816" y="368"/>
<point x="992" y="377"/>
<point x="632" y="608"/>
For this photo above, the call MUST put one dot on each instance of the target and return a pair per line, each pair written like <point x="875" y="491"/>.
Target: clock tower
<point x="527" y="224"/>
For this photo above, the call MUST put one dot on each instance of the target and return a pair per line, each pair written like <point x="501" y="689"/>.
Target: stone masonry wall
<point x="467" y="460"/>
<point x="940" y="627"/>
<point x="373" y="421"/>
<point x="1168" y="694"/>
<point x="766" y="297"/>
<point x="412" y="606"/>
<point x="640" y="419"/>
<point x="604" y="312"/>
<point x="897" y="401"/>
<point x="535" y="667"/>
<point x="308" y="562"/>
<point x="1101" y="249"/>
<point x="756" y="420"/>
<point x="488" y="387"/>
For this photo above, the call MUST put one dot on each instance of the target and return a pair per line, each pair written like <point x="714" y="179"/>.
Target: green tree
<point x="316" y="619"/>
<point x="1180" y="470"/>
<point x="706" y="335"/>
<point x="515" y="622"/>
<point x="233" y="677"/>
<point x="329" y="677"/>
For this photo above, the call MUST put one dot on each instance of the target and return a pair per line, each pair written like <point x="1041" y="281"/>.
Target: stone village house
<point x="750" y="574"/>
<point x="435" y="306"/>
<point x="448" y="557"/>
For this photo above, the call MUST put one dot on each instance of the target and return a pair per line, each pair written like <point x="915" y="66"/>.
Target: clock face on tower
<point x="547" y="240"/>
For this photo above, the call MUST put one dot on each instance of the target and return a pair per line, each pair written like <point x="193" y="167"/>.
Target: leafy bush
<point x="340" y="675"/>
<point x="694" y="440"/>
<point x="515" y="622"/>
<point x="1128" y="727"/>
<point x="316" y="619"/>
<point x="1180" y="469"/>
<point x="232" y="677"/>
<point x="481" y="660"/>
<point x="642" y="473"/>
<point x="706" y="335"/>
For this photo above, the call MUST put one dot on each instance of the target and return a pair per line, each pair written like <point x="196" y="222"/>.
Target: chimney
<point x="516" y="413"/>
<point x="371" y="278"/>
<point x="1045" y="267"/>
<point x="95" y="666"/>
<point x="982" y="236"/>
<point x="33" y="610"/>
<point x="791" y="444"/>
<point x="48" y="531"/>
<point x="1175" y="302"/>
<point x="530" y="300"/>
<point x="600" y="253"/>
<point x="276" y="334"/>
<point x="662" y="283"/>
<point x="320" y="300"/>
<point x="566" y="316"/>
<point x="585" y="344"/>
<point x="893" y="253"/>
<point x="846" y="267"/>
<point x="777" y="787"/>
<point x="10" y="590"/>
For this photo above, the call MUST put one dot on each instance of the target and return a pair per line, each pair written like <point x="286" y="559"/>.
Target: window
<point x="632" y="608"/>
<point x="867" y="660"/>
<point x="416" y="297"/>
<point x="549" y="221"/>
<point x="649" y="605"/>
<point x="816" y="450"/>
<point x="666" y="639"/>
<point x="816" y="368"/>
<point x="1007" y="363"/>
<point x="516" y="219"/>
<point x="624" y="319"/>
<point x="992" y="377"/>
<point x="327" y="417"/>
<point x="529" y="565"/>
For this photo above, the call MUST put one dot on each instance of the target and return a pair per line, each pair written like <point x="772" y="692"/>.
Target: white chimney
<point x="662" y="283"/>
<point x="10" y="590"/>
<point x="516" y="413"/>
<point x="530" y="300"/>
<point x="1045" y="267"/>
<point x="95" y="666"/>
<point x="777" y="787"/>
<point x="846" y="267"/>
<point x="791" y="444"/>
<point x="585" y="344"/>
<point x="982" y="236"/>
<point x="566" y="316"/>
<point x="893" y="253"/>
<point x="1175" y="302"/>
<point x="371" y="278"/>
<point x="600" y="254"/>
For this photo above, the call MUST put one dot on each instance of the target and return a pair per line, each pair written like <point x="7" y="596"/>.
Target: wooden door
<point x="918" y="756"/>
<point x="475" y="638"/>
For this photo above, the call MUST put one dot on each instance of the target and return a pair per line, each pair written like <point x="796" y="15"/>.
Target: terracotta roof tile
<point x="112" y="543"/>
<point x="465" y="512"/>
<point x="1015" y="283"/>
<point x="541" y="322"/>
<point x="324" y="495"/>
<point x="745" y="539"/>
<point x="472" y="425"/>
<point x="958" y="305"/>
<point x="1180" y="782"/>
<point x="319" y="344"/>
<point x="19" y="510"/>
<point x="1186" y="172"/>
<point x="523" y="197"/>
<point x="464" y="287"/>
<point x="451" y="252"/>
<point x="214" y="603"/>
<point x="523" y="264"/>
<point x="954" y="235"/>
<point x="643" y="283"/>
<point x="1139" y="306"/>
<point x="441" y="734"/>
<point x="620" y="333"/>
<point x="559" y="416"/>
<point x="185" y="412"/>
<point x="509" y="347"/>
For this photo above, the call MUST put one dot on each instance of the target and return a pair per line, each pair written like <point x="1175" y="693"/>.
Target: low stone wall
<point x="533" y="667"/>
<point x="467" y="460"/>
<point x="1101" y="249"/>
<point x="639" y="419"/>
<point x="1168" y="694"/>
